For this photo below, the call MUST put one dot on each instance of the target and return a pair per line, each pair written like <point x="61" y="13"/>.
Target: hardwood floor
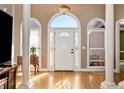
<point x="68" y="80"/>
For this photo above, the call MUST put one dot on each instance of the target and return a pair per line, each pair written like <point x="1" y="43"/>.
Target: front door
<point x="64" y="49"/>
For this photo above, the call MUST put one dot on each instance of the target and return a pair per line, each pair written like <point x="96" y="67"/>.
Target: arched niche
<point x="96" y="43"/>
<point x="96" y="24"/>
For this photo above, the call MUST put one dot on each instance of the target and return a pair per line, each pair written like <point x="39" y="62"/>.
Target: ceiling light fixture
<point x="63" y="9"/>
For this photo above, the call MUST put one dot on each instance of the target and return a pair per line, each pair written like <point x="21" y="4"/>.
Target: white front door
<point x="64" y="49"/>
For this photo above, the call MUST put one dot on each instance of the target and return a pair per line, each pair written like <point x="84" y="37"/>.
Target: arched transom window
<point x="64" y="21"/>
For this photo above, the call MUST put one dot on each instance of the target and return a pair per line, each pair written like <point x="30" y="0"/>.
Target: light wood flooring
<point x="68" y="80"/>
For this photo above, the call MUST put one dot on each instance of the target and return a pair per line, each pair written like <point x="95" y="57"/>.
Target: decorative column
<point x="13" y="35"/>
<point x="25" y="42"/>
<point x="121" y="84"/>
<point x="109" y="49"/>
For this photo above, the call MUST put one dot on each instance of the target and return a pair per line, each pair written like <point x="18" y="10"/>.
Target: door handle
<point x="72" y="51"/>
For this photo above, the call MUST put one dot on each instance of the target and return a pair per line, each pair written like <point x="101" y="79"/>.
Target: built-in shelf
<point x="121" y="63"/>
<point x="100" y="67"/>
<point x="95" y="30"/>
<point x="96" y="60"/>
<point x="96" y="46"/>
<point x="121" y="51"/>
<point x="121" y="29"/>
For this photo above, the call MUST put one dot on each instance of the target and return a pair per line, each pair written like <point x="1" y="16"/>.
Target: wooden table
<point x="33" y="61"/>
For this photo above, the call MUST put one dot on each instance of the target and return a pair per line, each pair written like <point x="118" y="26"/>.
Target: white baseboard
<point x="92" y="69"/>
<point x="82" y="69"/>
<point x="77" y="68"/>
<point x="43" y="69"/>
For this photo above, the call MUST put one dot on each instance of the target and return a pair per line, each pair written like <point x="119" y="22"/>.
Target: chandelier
<point x="63" y="9"/>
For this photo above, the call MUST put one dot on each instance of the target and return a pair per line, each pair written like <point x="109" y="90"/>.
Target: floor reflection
<point x="67" y="80"/>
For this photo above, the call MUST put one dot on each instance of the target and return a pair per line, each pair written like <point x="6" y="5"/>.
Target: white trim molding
<point x="99" y="19"/>
<point x="51" y="31"/>
<point x="59" y="14"/>
<point x="92" y="70"/>
<point x="117" y="54"/>
<point x="43" y="69"/>
<point x="77" y="69"/>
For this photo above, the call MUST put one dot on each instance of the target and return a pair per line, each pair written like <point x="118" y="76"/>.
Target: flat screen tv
<point x="6" y="22"/>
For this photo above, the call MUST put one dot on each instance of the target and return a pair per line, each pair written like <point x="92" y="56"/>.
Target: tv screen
<point x="5" y="37"/>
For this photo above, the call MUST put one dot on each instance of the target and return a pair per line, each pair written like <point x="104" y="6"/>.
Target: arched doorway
<point x="35" y="39"/>
<point x="96" y="44"/>
<point x="119" y="45"/>
<point x="64" y="42"/>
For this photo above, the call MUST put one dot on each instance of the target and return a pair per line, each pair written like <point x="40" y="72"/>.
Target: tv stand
<point x="1" y="69"/>
<point x="6" y="64"/>
<point x="10" y="74"/>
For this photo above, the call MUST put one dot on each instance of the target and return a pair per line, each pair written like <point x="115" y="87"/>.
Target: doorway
<point x="64" y="49"/>
<point x="120" y="46"/>
<point x="35" y="40"/>
<point x="64" y="43"/>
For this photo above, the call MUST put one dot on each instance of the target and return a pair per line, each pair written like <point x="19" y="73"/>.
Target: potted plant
<point x="33" y="50"/>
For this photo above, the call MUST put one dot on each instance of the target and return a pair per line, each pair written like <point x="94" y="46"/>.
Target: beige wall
<point x="18" y="19"/>
<point x="43" y="13"/>
<point x="119" y="11"/>
<point x="8" y="7"/>
<point x="83" y="12"/>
